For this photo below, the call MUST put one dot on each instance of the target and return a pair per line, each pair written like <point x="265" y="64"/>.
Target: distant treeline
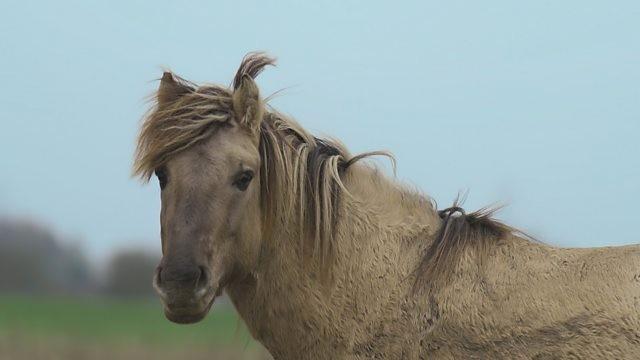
<point x="34" y="260"/>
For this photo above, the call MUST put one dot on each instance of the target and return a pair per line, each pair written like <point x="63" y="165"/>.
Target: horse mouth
<point x="187" y="316"/>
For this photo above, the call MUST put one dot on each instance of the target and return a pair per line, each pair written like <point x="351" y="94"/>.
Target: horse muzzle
<point x="187" y="292"/>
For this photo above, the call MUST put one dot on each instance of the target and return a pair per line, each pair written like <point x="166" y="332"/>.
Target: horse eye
<point x="243" y="180"/>
<point x="161" y="174"/>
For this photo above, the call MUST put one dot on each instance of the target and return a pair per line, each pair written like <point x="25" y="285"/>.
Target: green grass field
<point x="65" y="328"/>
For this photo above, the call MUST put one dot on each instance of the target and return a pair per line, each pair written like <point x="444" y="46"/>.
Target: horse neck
<point x="393" y="207"/>
<point x="386" y="226"/>
<point x="381" y="232"/>
<point x="377" y="212"/>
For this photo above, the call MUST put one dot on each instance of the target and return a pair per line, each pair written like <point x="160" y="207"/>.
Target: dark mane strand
<point x="458" y="232"/>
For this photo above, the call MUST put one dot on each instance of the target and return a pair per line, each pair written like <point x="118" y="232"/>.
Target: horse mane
<point x="458" y="233"/>
<point x="300" y="175"/>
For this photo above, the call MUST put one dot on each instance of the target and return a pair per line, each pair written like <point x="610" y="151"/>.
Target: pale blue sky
<point x="535" y="104"/>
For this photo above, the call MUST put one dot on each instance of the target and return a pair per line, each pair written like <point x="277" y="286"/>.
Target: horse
<point x="324" y="256"/>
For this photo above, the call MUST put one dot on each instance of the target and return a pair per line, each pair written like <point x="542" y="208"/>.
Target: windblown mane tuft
<point x="458" y="232"/>
<point x="252" y="64"/>
<point x="172" y="128"/>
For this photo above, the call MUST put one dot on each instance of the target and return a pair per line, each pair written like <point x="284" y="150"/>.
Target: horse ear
<point x="247" y="104"/>
<point x="171" y="89"/>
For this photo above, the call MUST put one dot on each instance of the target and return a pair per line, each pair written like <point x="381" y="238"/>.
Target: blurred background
<point x="531" y="104"/>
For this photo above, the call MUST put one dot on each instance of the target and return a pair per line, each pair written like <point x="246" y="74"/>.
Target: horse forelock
<point x="170" y="128"/>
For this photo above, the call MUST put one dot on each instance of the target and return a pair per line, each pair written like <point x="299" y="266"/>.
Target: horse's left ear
<point x="171" y="89"/>
<point x="247" y="104"/>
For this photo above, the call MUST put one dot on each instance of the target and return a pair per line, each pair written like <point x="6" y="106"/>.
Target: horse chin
<point x="188" y="316"/>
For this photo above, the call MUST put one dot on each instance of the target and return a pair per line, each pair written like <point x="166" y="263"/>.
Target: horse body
<point x="324" y="257"/>
<point x="539" y="302"/>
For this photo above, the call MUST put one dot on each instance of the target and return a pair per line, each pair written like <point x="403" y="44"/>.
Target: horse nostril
<point x="203" y="277"/>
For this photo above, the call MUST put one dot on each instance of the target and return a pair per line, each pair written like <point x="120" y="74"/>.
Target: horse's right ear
<point x="171" y="89"/>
